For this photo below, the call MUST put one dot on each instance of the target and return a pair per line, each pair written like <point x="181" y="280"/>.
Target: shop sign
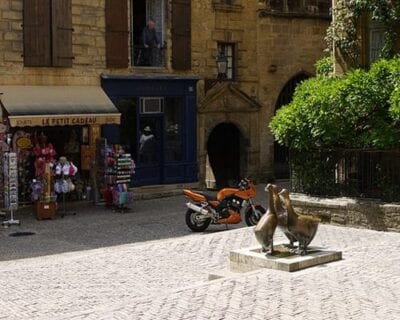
<point x="24" y="143"/>
<point x="66" y="120"/>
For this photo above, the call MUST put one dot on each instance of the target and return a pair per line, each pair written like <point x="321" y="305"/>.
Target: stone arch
<point x="226" y="103"/>
<point x="226" y="148"/>
<point x="281" y="153"/>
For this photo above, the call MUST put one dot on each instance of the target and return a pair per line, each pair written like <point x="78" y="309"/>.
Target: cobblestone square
<point x="146" y="264"/>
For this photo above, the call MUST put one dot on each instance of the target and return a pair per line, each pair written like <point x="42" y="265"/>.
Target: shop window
<point x="128" y="128"/>
<point x="173" y="129"/>
<point x="228" y="50"/>
<point x="47" y="33"/>
<point x="147" y="32"/>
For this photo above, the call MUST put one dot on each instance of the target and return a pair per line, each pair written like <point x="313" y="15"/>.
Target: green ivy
<point x="342" y="33"/>
<point x="325" y="66"/>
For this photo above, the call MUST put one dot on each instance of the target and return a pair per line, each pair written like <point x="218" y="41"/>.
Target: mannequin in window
<point x="148" y="146"/>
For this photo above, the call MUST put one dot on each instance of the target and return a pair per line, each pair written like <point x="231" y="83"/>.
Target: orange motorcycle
<point x="223" y="207"/>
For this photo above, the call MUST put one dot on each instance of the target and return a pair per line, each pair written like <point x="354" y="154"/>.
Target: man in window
<point x="151" y="44"/>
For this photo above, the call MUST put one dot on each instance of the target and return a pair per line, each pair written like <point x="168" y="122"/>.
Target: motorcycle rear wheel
<point x="251" y="217"/>
<point x="194" y="223"/>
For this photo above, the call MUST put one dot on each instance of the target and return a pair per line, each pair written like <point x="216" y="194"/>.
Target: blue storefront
<point x="158" y="125"/>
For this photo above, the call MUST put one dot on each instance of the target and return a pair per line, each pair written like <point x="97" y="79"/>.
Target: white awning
<point x="28" y="106"/>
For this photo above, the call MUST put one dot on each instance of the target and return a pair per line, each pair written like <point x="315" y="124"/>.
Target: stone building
<point x="274" y="46"/>
<point x="172" y="88"/>
<point x="368" y="41"/>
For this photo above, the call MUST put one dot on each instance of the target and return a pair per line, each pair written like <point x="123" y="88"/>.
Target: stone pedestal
<point x="249" y="259"/>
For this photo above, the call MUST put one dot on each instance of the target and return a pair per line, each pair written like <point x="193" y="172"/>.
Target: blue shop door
<point x="150" y="150"/>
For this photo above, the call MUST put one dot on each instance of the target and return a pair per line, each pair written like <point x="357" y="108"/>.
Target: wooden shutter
<point x="181" y="34"/>
<point x="62" y="33"/>
<point x="36" y="32"/>
<point x="117" y="51"/>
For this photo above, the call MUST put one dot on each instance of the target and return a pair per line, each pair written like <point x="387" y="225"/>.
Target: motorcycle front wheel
<point x="252" y="217"/>
<point x="196" y="221"/>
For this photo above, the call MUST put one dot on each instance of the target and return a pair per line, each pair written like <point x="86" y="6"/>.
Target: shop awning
<point x="28" y="106"/>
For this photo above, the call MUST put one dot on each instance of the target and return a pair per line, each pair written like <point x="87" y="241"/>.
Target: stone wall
<point x="368" y="214"/>
<point x="88" y="47"/>
<point x="291" y="44"/>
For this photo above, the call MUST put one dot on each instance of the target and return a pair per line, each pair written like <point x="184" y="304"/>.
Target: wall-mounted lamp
<point x="222" y="65"/>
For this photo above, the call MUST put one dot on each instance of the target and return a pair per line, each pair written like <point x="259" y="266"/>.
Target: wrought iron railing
<point x="356" y="173"/>
<point x="148" y="57"/>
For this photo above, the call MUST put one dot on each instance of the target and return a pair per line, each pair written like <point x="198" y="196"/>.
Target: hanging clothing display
<point x="119" y="168"/>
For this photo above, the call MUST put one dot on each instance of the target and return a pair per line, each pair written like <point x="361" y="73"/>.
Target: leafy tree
<point x="358" y="110"/>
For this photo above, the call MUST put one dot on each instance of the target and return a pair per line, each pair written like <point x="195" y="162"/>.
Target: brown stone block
<point x="13" y="36"/>
<point x="13" y="57"/>
<point x="16" y="26"/>
<point x="11" y="15"/>
<point x="16" y="5"/>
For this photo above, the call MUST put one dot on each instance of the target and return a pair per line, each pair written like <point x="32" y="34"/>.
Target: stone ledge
<point x="367" y="213"/>
<point x="250" y="259"/>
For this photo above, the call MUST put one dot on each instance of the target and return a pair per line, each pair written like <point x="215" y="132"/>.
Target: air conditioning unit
<point x="151" y="105"/>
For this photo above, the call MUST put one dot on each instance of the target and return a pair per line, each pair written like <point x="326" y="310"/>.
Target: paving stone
<point x="87" y="276"/>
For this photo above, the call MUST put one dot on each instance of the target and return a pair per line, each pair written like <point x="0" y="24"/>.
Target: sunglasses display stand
<point x="10" y="186"/>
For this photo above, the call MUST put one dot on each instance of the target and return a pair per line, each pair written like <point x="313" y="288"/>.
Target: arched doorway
<point x="281" y="153"/>
<point x="224" y="147"/>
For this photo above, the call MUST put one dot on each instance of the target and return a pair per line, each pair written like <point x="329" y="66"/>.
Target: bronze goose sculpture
<point x="283" y="217"/>
<point x="302" y="227"/>
<point x="265" y="228"/>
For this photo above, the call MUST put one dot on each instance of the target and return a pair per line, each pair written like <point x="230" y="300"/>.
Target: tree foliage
<point x="359" y="110"/>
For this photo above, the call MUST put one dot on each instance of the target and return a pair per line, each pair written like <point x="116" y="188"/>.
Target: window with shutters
<point x="47" y="32"/>
<point x="148" y="33"/>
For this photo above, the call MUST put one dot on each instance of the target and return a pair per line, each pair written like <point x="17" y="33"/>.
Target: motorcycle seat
<point x="209" y="195"/>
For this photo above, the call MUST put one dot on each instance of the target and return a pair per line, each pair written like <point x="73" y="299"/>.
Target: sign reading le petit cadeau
<point x="67" y="120"/>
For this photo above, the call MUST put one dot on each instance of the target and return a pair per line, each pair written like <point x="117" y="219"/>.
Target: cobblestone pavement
<point x="159" y="271"/>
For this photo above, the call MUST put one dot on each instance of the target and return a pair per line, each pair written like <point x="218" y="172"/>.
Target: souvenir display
<point x="10" y="174"/>
<point x="22" y="145"/>
<point x="64" y="170"/>
<point x="119" y="168"/>
<point x="98" y="171"/>
<point x="4" y="147"/>
<point x="42" y="185"/>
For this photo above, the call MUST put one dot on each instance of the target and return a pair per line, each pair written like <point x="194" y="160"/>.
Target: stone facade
<point x="269" y="51"/>
<point x="88" y="47"/>
<point x="368" y="214"/>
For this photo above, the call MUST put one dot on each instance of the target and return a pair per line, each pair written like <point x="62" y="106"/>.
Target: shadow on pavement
<point x="98" y="226"/>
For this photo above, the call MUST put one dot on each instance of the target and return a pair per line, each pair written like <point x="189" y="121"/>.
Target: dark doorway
<point x="281" y="153"/>
<point x="224" y="150"/>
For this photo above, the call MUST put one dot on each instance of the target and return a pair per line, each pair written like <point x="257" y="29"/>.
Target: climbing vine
<point x="343" y="33"/>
